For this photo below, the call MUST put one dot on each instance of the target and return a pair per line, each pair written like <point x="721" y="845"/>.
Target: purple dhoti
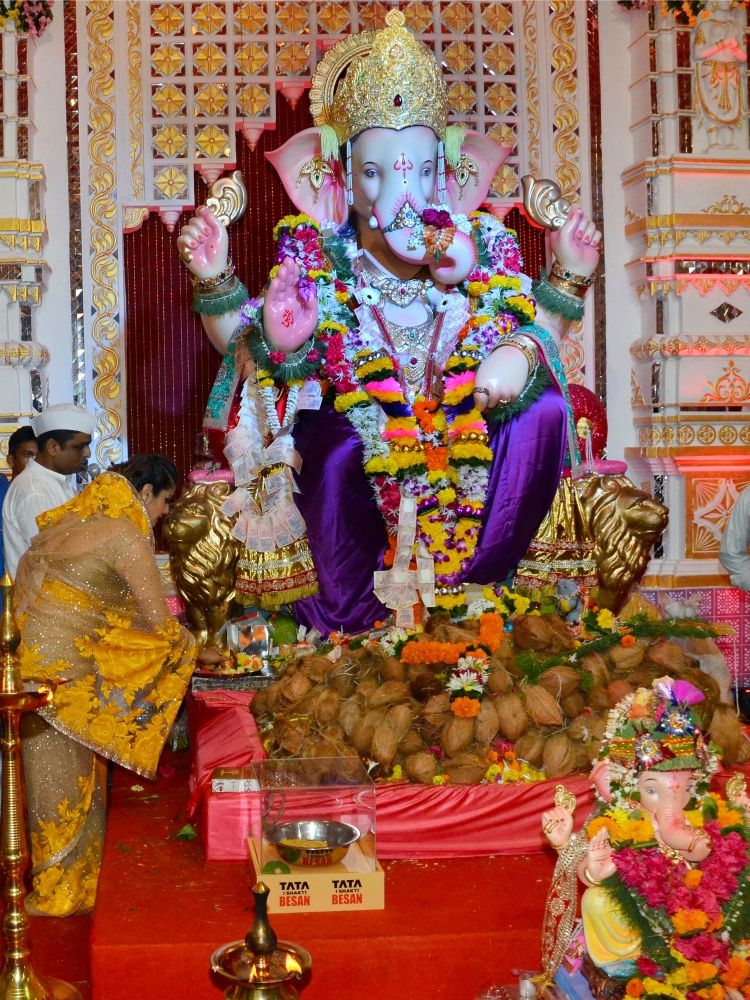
<point x="347" y="533"/>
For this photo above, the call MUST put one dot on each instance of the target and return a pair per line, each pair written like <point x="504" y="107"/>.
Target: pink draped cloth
<point x="412" y="821"/>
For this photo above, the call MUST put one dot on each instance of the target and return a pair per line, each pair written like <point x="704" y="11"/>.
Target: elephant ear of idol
<point x="468" y="185"/>
<point x="295" y="156"/>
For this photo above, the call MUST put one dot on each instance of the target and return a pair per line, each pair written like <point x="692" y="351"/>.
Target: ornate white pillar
<point x="23" y="237"/>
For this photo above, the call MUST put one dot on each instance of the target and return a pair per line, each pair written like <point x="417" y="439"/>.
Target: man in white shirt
<point x="63" y="435"/>
<point x="735" y="540"/>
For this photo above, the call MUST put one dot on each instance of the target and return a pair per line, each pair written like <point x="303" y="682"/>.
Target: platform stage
<point x="449" y="926"/>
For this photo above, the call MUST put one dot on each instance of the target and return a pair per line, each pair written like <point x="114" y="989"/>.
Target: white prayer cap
<point x="63" y="417"/>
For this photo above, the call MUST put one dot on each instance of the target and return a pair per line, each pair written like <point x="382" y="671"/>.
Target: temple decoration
<point x="203" y="555"/>
<point x="720" y="57"/>
<point x="23" y="230"/>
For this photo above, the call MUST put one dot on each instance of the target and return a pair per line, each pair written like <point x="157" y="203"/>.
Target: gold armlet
<point x="578" y="291"/>
<point x="208" y="284"/>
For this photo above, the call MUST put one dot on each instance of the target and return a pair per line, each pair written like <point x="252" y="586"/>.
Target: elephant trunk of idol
<point x="676" y="833"/>
<point x="455" y="261"/>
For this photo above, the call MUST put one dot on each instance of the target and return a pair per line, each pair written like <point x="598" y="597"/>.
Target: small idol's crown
<point x="392" y="81"/>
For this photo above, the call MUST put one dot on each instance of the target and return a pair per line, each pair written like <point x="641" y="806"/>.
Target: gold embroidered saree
<point x="92" y="613"/>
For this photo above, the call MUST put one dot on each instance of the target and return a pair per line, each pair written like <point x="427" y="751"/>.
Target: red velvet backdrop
<point x="170" y="365"/>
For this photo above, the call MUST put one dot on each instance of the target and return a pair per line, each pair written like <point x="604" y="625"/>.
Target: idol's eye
<point x="427" y="171"/>
<point x="371" y="172"/>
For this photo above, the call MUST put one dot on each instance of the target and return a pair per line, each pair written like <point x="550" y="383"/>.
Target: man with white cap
<point x="63" y="434"/>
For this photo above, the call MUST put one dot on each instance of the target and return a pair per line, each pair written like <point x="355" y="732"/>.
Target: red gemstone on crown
<point x="398" y="100"/>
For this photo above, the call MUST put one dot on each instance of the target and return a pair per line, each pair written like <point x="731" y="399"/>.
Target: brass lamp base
<point x="261" y="967"/>
<point x="24" y="984"/>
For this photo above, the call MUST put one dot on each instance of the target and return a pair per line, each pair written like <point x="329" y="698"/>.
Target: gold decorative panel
<point x="209" y="18"/>
<point x="251" y="58"/>
<point x="168" y="59"/>
<point x="167" y="18"/>
<point x="250" y="18"/>
<point x="210" y="100"/>
<point x="169" y="100"/>
<point x="291" y="18"/>
<point x="709" y="503"/>
<point x="210" y="59"/>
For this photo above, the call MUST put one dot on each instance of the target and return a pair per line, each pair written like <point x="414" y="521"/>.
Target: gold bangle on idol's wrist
<point x="590" y="878"/>
<point x="208" y="284"/>
<point x="525" y="346"/>
<point x="578" y="291"/>
<point x="575" y="279"/>
<point x="561" y="847"/>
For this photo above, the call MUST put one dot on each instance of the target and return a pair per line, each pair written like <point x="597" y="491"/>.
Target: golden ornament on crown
<point x="392" y="81"/>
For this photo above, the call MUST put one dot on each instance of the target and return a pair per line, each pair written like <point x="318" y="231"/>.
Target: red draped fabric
<point x="169" y="364"/>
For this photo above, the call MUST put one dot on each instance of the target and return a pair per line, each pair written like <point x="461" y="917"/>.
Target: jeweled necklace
<point x="398" y="291"/>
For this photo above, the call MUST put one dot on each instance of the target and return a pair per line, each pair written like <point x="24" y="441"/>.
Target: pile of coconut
<point x="365" y="703"/>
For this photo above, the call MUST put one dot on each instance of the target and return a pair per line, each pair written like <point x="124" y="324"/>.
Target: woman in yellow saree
<point x="92" y="614"/>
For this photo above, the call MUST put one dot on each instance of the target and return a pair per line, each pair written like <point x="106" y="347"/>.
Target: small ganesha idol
<point x="665" y="862"/>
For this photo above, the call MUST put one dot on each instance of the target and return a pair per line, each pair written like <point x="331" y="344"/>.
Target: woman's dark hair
<point x="154" y="469"/>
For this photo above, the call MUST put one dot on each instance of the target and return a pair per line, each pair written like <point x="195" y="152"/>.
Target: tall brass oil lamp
<point x="261" y="967"/>
<point x="18" y="980"/>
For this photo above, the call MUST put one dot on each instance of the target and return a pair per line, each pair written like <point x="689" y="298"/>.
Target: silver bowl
<point x="337" y="837"/>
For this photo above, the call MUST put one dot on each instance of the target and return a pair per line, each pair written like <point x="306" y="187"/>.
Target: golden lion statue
<point x="624" y="523"/>
<point x="203" y="554"/>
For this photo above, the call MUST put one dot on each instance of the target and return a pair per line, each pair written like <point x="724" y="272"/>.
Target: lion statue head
<point x="203" y="554"/>
<point x="624" y="523"/>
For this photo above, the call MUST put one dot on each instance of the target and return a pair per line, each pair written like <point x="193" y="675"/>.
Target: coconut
<point x="541" y="707"/>
<point x="505" y="656"/>
<point x="572" y="704"/>
<point x="411" y="743"/>
<point x="445" y="632"/>
<point x="384" y="744"/>
<point x="559" y="756"/>
<point x="457" y="735"/>
<point x="399" y="720"/>
<point x="580" y="757"/>
<point x="273" y="696"/>
<point x="530" y="747"/>
<point x="327" y="708"/>
<point x="596" y="665"/>
<point x="435" y="621"/>
<point x="726" y="732"/>
<point x="363" y="731"/>
<point x="668" y="656"/>
<point x="350" y="714"/>
<point x="593" y="749"/>
<point x="438" y="704"/>
<point x="560" y="681"/>
<point x="389" y="693"/>
<point x="259" y="704"/>
<point x="599" y="699"/>
<point x="510" y="715"/>
<point x="486" y="723"/>
<point x="580" y="727"/>
<point x="294" y="686"/>
<point x="618" y="690"/>
<point x="392" y="669"/>
<point x="315" y="668"/>
<point x="366" y="688"/>
<point x="421" y="767"/>
<point x="343" y="685"/>
<point x="423" y="686"/>
<point x="626" y="659"/>
<point x="644" y="675"/>
<point x="499" y="681"/>
<point x="464" y="774"/>
<point x="532" y="632"/>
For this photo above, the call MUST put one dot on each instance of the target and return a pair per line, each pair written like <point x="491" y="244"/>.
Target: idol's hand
<point x="576" y="244"/>
<point x="599" y="857"/>
<point x="502" y="376"/>
<point x="204" y="244"/>
<point x="289" y="319"/>
<point x="557" y="825"/>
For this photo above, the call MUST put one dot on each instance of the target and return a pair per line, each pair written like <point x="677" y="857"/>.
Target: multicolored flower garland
<point x="437" y="452"/>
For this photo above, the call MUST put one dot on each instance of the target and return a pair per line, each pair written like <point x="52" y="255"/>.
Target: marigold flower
<point x="634" y="988"/>
<point x="466" y="708"/>
<point x="737" y="971"/>
<point x="627" y="640"/>
<point x="686" y="921"/>
<point x="693" y="878"/>
<point x="700" y="972"/>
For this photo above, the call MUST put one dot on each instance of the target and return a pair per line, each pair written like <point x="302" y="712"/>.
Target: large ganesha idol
<point x="666" y="910"/>
<point x="395" y="397"/>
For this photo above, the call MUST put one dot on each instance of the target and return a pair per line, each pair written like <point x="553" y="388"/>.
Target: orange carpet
<point x="449" y="926"/>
